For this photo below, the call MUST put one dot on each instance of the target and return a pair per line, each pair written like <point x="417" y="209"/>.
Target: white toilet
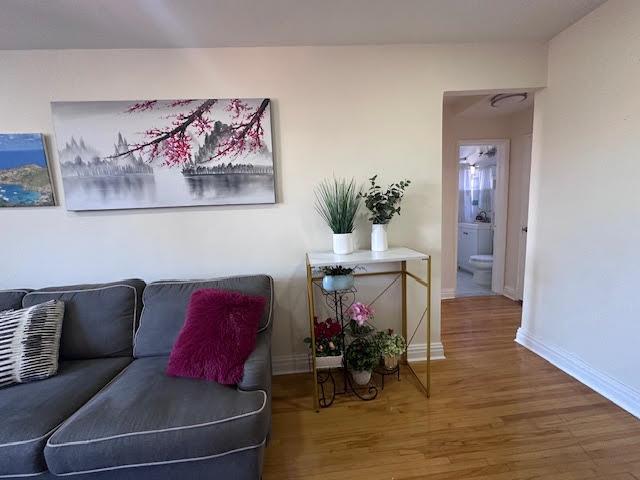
<point x="481" y="266"/>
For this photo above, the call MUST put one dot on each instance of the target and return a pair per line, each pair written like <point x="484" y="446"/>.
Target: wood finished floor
<point x="497" y="412"/>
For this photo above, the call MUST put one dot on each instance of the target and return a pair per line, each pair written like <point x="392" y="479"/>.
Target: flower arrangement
<point x="328" y="338"/>
<point x="384" y="204"/>
<point x="359" y="315"/>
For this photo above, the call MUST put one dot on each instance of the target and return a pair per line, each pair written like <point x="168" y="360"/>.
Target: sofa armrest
<point x="257" y="368"/>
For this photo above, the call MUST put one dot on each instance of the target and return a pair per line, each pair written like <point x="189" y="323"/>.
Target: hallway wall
<point x="581" y="302"/>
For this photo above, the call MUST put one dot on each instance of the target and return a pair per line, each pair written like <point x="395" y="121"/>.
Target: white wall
<point x="352" y="111"/>
<point x="581" y="305"/>
<point x="456" y="128"/>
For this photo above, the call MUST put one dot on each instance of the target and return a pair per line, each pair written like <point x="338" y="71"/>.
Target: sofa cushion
<point x="165" y="307"/>
<point x="99" y="319"/>
<point x="218" y="335"/>
<point x="12" y="299"/>
<point x="30" y="342"/>
<point x="145" y="417"/>
<point x="29" y="412"/>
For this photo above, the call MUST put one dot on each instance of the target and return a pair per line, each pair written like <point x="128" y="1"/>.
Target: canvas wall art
<point x="25" y="180"/>
<point x="164" y="153"/>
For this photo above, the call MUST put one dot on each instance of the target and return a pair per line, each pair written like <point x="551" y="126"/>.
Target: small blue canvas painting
<point x="24" y="173"/>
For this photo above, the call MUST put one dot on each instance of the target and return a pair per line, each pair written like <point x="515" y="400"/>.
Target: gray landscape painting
<point x="164" y="153"/>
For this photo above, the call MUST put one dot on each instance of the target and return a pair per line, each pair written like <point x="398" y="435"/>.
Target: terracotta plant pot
<point x="390" y="362"/>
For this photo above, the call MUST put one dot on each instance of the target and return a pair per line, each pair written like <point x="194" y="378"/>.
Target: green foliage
<point x="337" y="202"/>
<point x="384" y="204"/>
<point x="337" y="270"/>
<point x="389" y="343"/>
<point x="362" y="355"/>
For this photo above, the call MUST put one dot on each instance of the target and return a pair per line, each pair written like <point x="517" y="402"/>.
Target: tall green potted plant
<point x="337" y="202"/>
<point x="383" y="205"/>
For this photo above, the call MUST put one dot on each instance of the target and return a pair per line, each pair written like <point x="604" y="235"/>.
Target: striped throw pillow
<point x="29" y="342"/>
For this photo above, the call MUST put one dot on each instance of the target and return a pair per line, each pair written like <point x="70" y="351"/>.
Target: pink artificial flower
<point x="360" y="313"/>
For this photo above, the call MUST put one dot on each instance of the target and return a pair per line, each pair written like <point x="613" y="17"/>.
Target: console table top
<point x="364" y="257"/>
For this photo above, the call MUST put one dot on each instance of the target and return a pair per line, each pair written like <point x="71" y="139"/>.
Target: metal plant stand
<point x="340" y="302"/>
<point x="385" y="372"/>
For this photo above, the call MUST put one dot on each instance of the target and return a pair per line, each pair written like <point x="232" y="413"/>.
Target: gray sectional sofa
<point x="112" y="413"/>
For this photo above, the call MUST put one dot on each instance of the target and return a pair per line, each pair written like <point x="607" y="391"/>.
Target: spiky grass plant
<point x="337" y="202"/>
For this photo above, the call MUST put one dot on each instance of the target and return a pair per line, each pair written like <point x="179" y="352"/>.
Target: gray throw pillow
<point x="30" y="342"/>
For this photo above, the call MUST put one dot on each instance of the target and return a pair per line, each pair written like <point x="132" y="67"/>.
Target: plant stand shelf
<point x="331" y="377"/>
<point x="339" y="301"/>
<point x="385" y="372"/>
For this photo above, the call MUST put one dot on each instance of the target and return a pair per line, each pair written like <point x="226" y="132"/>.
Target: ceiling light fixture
<point x="508" y="99"/>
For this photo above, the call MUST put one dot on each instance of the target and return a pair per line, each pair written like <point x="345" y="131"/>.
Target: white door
<point x="524" y="214"/>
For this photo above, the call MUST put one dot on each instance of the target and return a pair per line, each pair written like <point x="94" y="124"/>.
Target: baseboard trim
<point x="622" y="395"/>
<point x="286" y="364"/>
<point x="299" y="363"/>
<point x="418" y="352"/>
<point x="447" y="293"/>
<point x="510" y="292"/>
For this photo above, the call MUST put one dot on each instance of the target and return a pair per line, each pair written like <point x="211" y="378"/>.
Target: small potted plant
<point x="329" y="341"/>
<point x="359" y="314"/>
<point x="337" y="278"/>
<point x="360" y="358"/>
<point x="391" y="346"/>
<point x="383" y="205"/>
<point x="337" y="202"/>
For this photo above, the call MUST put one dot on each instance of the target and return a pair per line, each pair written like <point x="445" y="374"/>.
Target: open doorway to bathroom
<point x="486" y="147"/>
<point x="482" y="204"/>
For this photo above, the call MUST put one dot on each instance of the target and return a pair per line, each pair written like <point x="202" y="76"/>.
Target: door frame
<point x="524" y="219"/>
<point x="501" y="205"/>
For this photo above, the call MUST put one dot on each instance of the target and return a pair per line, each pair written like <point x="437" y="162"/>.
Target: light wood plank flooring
<point x="498" y="412"/>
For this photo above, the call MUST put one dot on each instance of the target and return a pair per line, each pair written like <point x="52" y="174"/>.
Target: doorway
<point x="483" y="183"/>
<point x="487" y="144"/>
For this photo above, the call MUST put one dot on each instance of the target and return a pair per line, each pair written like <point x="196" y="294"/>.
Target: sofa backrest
<point x="99" y="319"/>
<point x="165" y="305"/>
<point x="12" y="299"/>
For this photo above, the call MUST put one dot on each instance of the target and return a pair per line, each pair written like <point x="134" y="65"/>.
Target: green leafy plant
<point x="384" y="204"/>
<point x="362" y="355"/>
<point x="337" y="270"/>
<point x="389" y="343"/>
<point x="337" y="202"/>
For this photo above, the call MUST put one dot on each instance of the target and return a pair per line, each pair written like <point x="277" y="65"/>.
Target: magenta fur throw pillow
<point x="217" y="337"/>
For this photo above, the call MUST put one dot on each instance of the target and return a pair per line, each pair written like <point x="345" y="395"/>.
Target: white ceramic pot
<point x="361" y="377"/>
<point x="379" y="238"/>
<point x="342" y="243"/>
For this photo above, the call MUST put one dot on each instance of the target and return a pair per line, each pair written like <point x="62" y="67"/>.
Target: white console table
<point x="362" y="258"/>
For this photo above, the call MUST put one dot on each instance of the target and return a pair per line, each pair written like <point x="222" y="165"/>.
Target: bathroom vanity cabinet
<point x="473" y="239"/>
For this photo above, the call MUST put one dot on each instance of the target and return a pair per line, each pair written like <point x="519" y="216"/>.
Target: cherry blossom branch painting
<point x="156" y="153"/>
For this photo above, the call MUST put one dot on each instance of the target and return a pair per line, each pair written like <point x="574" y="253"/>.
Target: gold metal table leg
<point x="429" y="327"/>
<point x="311" y="304"/>
<point x="404" y="307"/>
